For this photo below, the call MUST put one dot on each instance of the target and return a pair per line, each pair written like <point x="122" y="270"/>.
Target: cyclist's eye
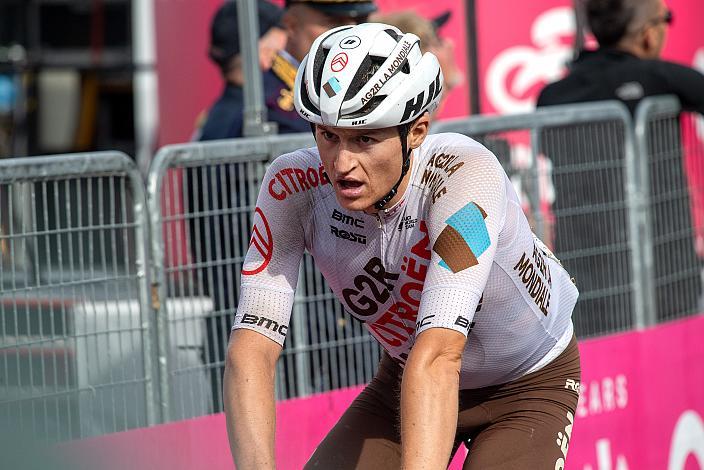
<point x="365" y="139"/>
<point x="328" y="135"/>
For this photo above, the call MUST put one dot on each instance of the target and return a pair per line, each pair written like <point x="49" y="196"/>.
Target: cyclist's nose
<point x="346" y="159"/>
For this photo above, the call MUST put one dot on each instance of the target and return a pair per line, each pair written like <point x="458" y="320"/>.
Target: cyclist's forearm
<point x="428" y="413"/>
<point x="250" y="410"/>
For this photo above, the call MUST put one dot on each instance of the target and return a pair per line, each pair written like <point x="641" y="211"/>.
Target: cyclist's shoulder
<point x="449" y="153"/>
<point x="464" y="148"/>
<point x="297" y="173"/>
<point x="300" y="157"/>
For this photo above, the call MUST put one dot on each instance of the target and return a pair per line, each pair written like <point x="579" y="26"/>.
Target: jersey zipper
<point x="383" y="239"/>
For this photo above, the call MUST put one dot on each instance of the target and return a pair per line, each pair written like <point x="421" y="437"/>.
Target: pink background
<point x="504" y="29"/>
<point x="189" y="82"/>
<point x="635" y="388"/>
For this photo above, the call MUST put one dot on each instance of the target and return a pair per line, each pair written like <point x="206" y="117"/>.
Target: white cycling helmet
<point x="368" y="76"/>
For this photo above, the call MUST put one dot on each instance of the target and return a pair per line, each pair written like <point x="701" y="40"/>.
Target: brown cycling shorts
<point x="524" y="424"/>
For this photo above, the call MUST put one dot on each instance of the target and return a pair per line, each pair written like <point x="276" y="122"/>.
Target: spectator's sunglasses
<point x="667" y="18"/>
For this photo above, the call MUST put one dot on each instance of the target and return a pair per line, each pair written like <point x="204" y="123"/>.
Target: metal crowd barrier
<point x="75" y="344"/>
<point x="111" y="318"/>
<point x="575" y="167"/>
<point x="670" y="146"/>
<point x="202" y="198"/>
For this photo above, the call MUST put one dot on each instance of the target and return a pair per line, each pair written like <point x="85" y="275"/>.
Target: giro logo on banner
<point x="350" y="42"/>
<point x="516" y="74"/>
<point x="339" y="62"/>
<point x="261" y="241"/>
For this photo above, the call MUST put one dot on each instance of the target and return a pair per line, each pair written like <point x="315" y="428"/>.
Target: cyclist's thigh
<point x="531" y="419"/>
<point x="521" y="445"/>
<point x="366" y="436"/>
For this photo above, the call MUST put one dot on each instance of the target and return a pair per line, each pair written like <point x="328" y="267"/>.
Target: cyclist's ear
<point x="419" y="131"/>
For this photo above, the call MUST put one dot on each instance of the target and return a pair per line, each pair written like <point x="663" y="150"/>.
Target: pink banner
<point x="641" y="407"/>
<point x="188" y="82"/>
<point x="522" y="46"/>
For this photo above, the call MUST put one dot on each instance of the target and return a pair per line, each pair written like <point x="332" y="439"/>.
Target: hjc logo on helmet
<point x="413" y="106"/>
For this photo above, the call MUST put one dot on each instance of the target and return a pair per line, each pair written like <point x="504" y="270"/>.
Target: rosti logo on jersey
<point x="437" y="171"/>
<point x="535" y="276"/>
<point x="345" y="235"/>
<point x="398" y="324"/>
<point x="464" y="239"/>
<point x="269" y="324"/>
<point x="288" y="181"/>
<point x="262" y="242"/>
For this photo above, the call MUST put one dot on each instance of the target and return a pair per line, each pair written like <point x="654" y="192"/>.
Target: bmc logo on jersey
<point x="269" y="324"/>
<point x="347" y="219"/>
<point x="413" y="106"/>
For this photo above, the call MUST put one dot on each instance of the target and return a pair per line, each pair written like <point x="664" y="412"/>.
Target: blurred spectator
<point x="430" y="41"/>
<point x="225" y="118"/>
<point x="304" y="21"/>
<point x="626" y="67"/>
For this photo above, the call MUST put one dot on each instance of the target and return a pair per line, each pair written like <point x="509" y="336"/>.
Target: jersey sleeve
<point x="464" y="222"/>
<point x="277" y="241"/>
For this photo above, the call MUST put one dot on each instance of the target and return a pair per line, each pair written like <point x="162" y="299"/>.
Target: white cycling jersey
<point x="455" y="252"/>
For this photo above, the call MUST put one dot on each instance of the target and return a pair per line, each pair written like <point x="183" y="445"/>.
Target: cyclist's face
<point x="363" y="165"/>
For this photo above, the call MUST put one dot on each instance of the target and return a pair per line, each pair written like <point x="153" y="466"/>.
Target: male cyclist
<point x="422" y="238"/>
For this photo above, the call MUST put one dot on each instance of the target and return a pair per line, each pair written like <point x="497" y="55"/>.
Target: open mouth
<point x="349" y="184"/>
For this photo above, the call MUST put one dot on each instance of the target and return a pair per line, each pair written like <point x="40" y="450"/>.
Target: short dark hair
<point x="610" y="20"/>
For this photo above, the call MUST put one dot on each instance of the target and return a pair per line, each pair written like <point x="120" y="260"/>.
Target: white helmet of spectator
<point x="368" y="76"/>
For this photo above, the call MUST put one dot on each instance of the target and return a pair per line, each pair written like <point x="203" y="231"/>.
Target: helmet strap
<point x="403" y="130"/>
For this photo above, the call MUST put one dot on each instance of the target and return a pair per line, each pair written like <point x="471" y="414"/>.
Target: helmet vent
<point x="366" y="109"/>
<point x="318" y="64"/>
<point x="393" y="34"/>
<point x="365" y="72"/>
<point x="306" y="99"/>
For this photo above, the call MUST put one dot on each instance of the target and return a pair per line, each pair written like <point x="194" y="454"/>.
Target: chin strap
<point x="406" y="153"/>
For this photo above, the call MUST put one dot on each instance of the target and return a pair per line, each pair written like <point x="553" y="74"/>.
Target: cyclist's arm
<point x="429" y="393"/>
<point x="269" y="278"/>
<point x="249" y="399"/>
<point x="464" y="225"/>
